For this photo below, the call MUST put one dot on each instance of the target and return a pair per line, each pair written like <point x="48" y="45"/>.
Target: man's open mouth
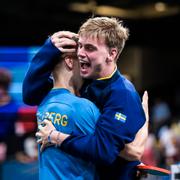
<point x="84" y="64"/>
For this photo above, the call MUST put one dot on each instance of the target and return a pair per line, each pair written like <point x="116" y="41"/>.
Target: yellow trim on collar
<point x="108" y="77"/>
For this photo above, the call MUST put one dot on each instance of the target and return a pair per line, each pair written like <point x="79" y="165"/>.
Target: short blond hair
<point x="111" y="29"/>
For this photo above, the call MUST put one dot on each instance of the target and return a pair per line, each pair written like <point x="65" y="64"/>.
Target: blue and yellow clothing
<point x="61" y="107"/>
<point x="121" y="115"/>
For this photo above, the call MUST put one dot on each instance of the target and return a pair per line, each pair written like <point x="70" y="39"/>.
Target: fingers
<point x="64" y="50"/>
<point x="45" y="128"/>
<point x="39" y="137"/>
<point x="145" y="99"/>
<point x="42" y="147"/>
<point x="46" y="122"/>
<point x="39" y="141"/>
<point x="67" y="34"/>
<point x="40" y="127"/>
<point x="65" y="41"/>
<point x="48" y="126"/>
<point x="41" y="132"/>
<point x="66" y="45"/>
<point x="38" y="134"/>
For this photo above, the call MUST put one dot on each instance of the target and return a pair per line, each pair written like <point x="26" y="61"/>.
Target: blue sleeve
<point x="37" y="82"/>
<point x="120" y="120"/>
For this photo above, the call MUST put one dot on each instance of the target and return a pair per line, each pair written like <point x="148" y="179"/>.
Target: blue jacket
<point x="61" y="107"/>
<point x="122" y="114"/>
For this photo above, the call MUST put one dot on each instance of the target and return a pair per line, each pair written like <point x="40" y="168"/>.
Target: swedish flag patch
<point x="120" y="117"/>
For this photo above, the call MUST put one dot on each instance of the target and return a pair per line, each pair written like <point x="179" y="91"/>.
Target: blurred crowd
<point x="163" y="144"/>
<point x="17" y="125"/>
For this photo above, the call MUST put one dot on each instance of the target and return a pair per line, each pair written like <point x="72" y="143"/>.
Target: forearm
<point x="37" y="82"/>
<point x="57" y="137"/>
<point x="135" y="149"/>
<point x="82" y="146"/>
<point x="106" y="143"/>
<point x="101" y="147"/>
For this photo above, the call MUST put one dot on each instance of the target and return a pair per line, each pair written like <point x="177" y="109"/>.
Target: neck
<point x="64" y="80"/>
<point x="108" y="73"/>
<point x="65" y="86"/>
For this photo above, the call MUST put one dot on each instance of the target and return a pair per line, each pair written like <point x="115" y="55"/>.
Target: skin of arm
<point x="132" y="151"/>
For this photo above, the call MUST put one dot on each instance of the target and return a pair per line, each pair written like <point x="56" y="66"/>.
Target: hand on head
<point x="65" y="41"/>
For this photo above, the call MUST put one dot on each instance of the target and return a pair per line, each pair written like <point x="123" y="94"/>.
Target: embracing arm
<point x="37" y="82"/>
<point x="131" y="152"/>
<point x="111" y="133"/>
<point x="108" y="140"/>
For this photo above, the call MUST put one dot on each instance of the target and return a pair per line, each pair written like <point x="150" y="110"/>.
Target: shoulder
<point x="57" y="112"/>
<point x="121" y="90"/>
<point x="86" y="109"/>
<point x="123" y="85"/>
<point x="83" y="104"/>
<point x="56" y="107"/>
<point x="87" y="114"/>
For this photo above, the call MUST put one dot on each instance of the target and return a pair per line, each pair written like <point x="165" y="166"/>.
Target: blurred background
<point x="151" y="60"/>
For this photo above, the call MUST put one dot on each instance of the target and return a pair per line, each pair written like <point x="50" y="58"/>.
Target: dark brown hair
<point x="5" y="78"/>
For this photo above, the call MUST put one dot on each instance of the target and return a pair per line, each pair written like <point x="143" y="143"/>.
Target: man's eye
<point x="90" y="48"/>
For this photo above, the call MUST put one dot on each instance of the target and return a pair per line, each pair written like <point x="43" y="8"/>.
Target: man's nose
<point x="81" y="52"/>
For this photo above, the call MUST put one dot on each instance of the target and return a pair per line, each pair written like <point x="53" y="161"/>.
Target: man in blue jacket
<point x="60" y="106"/>
<point x="100" y="43"/>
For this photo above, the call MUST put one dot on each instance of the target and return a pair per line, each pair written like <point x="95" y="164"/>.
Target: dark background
<point x="29" y="22"/>
<point x="154" y="34"/>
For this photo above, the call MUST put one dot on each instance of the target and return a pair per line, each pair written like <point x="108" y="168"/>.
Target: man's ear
<point x="69" y="62"/>
<point x="112" y="55"/>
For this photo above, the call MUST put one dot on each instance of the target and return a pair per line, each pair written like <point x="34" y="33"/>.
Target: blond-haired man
<point x="101" y="40"/>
